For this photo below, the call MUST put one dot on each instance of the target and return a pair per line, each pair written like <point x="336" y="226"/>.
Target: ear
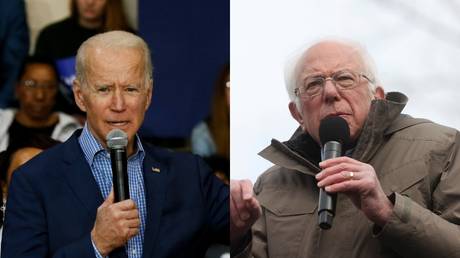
<point x="78" y="95"/>
<point x="295" y="113"/>
<point x="149" y="95"/>
<point x="379" y="93"/>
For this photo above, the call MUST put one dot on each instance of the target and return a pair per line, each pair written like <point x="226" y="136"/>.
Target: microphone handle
<point x="327" y="201"/>
<point x="120" y="174"/>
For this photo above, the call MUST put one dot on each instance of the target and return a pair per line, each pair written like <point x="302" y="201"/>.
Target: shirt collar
<point x="91" y="146"/>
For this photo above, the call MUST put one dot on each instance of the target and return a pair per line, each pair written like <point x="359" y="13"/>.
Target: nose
<point x="39" y="93"/>
<point x="330" y="91"/>
<point x="118" y="103"/>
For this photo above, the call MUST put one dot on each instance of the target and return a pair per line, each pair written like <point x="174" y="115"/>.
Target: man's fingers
<point x="234" y="213"/>
<point x="109" y="199"/>
<point x="335" y="161"/>
<point x="129" y="214"/>
<point x="236" y="191"/>
<point x="126" y="205"/>
<point x="339" y="177"/>
<point x="254" y="208"/>
<point x="343" y="187"/>
<point x="133" y="223"/>
<point x="244" y="207"/>
<point x="336" y="168"/>
<point x="132" y="232"/>
<point x="246" y="190"/>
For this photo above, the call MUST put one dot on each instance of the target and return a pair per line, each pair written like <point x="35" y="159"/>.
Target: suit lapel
<point x="79" y="176"/>
<point x="155" y="181"/>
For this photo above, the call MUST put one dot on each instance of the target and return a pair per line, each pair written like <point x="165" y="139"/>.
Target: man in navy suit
<point x="61" y="203"/>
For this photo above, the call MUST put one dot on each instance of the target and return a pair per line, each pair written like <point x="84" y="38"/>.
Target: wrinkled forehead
<point x="113" y="55"/>
<point x="328" y="57"/>
<point x="109" y="60"/>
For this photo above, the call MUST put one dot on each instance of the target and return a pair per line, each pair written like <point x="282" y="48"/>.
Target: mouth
<point x="118" y="123"/>
<point x="341" y="114"/>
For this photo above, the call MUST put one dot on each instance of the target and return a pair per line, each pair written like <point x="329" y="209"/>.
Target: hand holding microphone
<point x="117" y="219"/>
<point x="334" y="135"/>
<point x="115" y="224"/>
<point x="354" y="178"/>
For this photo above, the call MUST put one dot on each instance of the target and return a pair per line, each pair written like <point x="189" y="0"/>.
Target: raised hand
<point x="244" y="209"/>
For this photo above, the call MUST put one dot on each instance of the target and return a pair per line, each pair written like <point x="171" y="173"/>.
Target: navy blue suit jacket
<point x="53" y="200"/>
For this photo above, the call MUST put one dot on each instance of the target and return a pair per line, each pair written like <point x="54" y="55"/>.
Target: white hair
<point x="292" y="66"/>
<point x="113" y="39"/>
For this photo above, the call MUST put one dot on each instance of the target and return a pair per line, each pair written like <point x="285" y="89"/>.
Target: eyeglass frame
<point x="297" y="90"/>
<point x="31" y="84"/>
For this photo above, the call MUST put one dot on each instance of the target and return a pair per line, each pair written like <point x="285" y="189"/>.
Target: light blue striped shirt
<point x="99" y="160"/>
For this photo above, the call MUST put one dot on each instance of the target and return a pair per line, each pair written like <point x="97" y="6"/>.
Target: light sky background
<point x="415" y="44"/>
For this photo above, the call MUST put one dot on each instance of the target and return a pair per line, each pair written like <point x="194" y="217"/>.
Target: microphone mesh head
<point x="117" y="139"/>
<point x="334" y="128"/>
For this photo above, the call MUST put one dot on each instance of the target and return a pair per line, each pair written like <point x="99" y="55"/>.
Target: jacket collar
<point x="302" y="153"/>
<point x="382" y="114"/>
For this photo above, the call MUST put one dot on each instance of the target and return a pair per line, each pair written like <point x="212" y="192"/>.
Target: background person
<point x="36" y="91"/>
<point x="14" y="157"/>
<point x="211" y="137"/>
<point x="60" y="41"/>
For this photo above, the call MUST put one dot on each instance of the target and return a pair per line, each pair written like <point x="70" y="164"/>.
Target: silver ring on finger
<point x="351" y="175"/>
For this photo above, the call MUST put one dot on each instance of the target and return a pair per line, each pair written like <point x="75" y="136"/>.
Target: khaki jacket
<point x="415" y="159"/>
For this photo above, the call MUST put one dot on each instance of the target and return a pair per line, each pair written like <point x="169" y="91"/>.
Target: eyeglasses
<point x="343" y="80"/>
<point x="34" y="85"/>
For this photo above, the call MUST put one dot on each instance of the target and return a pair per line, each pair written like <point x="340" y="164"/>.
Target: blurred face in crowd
<point x="342" y="62"/>
<point x="19" y="158"/>
<point x="90" y="11"/>
<point x="36" y="91"/>
<point x="116" y="93"/>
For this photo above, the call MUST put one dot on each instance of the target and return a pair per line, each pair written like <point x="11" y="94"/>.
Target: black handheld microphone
<point x="117" y="140"/>
<point x="334" y="135"/>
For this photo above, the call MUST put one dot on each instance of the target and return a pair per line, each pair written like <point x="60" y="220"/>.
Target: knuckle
<point x="132" y="204"/>
<point x="116" y="215"/>
<point x="245" y="181"/>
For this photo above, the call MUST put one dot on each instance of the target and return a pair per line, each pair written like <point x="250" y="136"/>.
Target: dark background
<point x="190" y="43"/>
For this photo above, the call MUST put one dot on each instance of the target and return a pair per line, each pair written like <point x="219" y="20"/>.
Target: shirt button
<point x="134" y="251"/>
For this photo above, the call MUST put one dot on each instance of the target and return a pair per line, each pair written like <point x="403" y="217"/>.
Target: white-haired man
<point x="61" y="204"/>
<point x="398" y="183"/>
